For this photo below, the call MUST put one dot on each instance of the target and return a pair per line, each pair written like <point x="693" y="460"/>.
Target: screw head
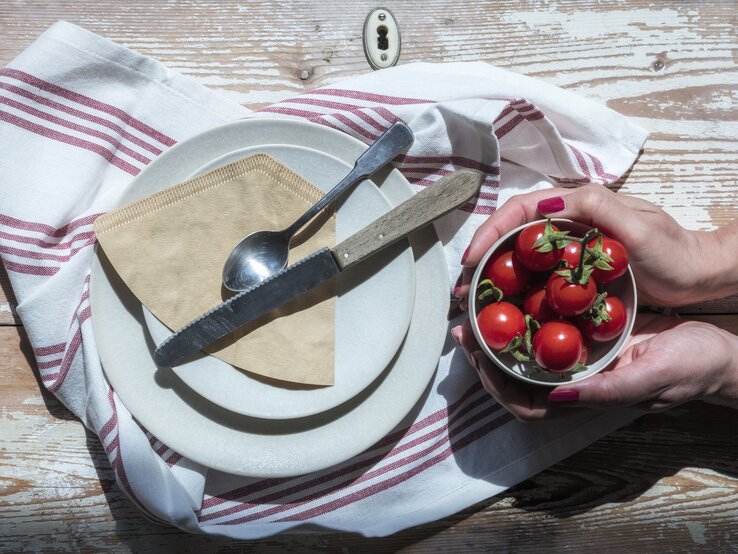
<point x="382" y="16"/>
<point x="383" y="57"/>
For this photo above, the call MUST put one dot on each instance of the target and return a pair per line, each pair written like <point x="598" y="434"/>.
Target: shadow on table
<point x="619" y="467"/>
<point x="616" y="469"/>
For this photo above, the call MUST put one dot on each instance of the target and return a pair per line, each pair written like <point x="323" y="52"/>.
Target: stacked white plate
<point x="390" y="326"/>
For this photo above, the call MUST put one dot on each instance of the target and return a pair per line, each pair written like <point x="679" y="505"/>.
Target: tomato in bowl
<point x="574" y="326"/>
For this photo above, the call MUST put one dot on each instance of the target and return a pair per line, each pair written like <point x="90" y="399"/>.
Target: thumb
<point x="625" y="385"/>
<point x="594" y="205"/>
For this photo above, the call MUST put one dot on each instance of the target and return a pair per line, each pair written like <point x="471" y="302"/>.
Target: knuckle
<point x="610" y="395"/>
<point x="593" y="197"/>
<point x="640" y="349"/>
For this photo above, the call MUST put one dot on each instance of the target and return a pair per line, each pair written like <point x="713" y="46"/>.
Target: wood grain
<point x="432" y="202"/>
<point x="668" y="482"/>
<point x="665" y="481"/>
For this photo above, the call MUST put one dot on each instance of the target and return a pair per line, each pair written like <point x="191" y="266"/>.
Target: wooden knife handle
<point x="418" y="211"/>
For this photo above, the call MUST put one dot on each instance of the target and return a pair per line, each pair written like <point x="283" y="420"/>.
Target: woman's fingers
<point x="462" y="287"/>
<point x="524" y="402"/>
<point x="593" y="205"/>
<point x="465" y="338"/>
<point x="631" y="379"/>
<point x="626" y="385"/>
<point x="597" y="206"/>
<point x="516" y="211"/>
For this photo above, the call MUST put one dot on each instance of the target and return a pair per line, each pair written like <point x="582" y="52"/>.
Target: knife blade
<point x="326" y="263"/>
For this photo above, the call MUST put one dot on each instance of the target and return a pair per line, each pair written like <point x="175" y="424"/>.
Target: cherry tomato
<point x="536" y="305"/>
<point x="531" y="258"/>
<point x="571" y="254"/>
<point x="607" y="330"/>
<point x="619" y="263"/>
<point x="507" y="273"/>
<point x="499" y="323"/>
<point x="557" y="346"/>
<point x="570" y="298"/>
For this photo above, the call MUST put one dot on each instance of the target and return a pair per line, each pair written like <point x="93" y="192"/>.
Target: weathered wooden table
<point x="666" y="482"/>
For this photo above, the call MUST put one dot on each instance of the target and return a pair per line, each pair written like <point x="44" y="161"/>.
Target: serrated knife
<point x="421" y="209"/>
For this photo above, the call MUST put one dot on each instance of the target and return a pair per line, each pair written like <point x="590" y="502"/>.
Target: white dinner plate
<point x="218" y="438"/>
<point x="373" y="305"/>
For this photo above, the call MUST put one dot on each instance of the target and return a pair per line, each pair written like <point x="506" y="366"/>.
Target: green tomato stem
<point x="588" y="236"/>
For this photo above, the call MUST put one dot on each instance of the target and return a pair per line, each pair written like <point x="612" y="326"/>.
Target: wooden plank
<point x="692" y="149"/>
<point x="671" y="68"/>
<point x="666" y="483"/>
<point x="669" y="480"/>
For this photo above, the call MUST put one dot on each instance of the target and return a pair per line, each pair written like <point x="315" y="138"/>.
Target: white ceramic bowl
<point x="601" y="354"/>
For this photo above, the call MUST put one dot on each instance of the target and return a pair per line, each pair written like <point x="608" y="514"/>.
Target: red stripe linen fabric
<point x="77" y="142"/>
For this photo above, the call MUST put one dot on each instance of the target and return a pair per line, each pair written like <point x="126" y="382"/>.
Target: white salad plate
<point x="219" y="438"/>
<point x="374" y="304"/>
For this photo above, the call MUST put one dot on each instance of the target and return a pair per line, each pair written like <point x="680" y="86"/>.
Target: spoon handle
<point x="393" y="141"/>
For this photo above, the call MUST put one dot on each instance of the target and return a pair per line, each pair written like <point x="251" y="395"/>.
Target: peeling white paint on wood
<point x="697" y="531"/>
<point x="671" y="67"/>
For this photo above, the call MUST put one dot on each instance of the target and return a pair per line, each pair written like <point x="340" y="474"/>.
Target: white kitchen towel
<point x="80" y="117"/>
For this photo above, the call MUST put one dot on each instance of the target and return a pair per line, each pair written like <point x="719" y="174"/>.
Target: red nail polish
<point x="551" y="205"/>
<point x="464" y="255"/>
<point x="566" y="395"/>
<point x="457" y="292"/>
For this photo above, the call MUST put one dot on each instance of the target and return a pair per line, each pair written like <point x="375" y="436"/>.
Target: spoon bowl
<point x="256" y="257"/>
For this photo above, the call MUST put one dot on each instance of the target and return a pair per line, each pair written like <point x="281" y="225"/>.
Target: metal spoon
<point x="264" y="253"/>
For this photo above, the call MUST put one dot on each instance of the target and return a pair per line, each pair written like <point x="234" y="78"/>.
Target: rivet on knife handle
<point x="432" y="202"/>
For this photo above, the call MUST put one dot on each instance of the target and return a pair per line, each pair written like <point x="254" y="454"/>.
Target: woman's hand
<point x="667" y="362"/>
<point x="672" y="266"/>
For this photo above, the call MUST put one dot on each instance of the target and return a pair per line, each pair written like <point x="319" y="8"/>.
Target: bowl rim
<point x="610" y="356"/>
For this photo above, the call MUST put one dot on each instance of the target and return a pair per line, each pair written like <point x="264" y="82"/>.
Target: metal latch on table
<point x="381" y="38"/>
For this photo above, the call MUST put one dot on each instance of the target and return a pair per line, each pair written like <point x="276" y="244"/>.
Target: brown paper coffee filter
<point x="169" y="249"/>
